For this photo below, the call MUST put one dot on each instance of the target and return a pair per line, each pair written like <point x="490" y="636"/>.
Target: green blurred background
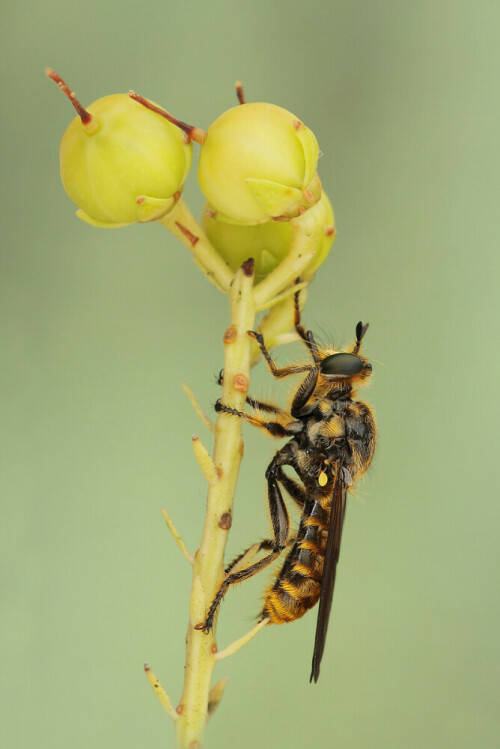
<point x="100" y="328"/>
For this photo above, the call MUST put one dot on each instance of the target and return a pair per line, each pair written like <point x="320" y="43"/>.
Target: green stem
<point x="208" y="567"/>
<point x="181" y="222"/>
<point x="307" y="231"/>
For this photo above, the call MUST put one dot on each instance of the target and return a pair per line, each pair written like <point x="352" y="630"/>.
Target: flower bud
<point x="268" y="243"/>
<point x="258" y="161"/>
<point x="120" y="162"/>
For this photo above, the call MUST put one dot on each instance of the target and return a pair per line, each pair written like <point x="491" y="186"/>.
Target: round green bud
<point x="268" y="243"/>
<point x="123" y="163"/>
<point x="258" y="161"/>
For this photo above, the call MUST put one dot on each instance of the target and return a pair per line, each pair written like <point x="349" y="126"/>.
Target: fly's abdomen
<point x="298" y="585"/>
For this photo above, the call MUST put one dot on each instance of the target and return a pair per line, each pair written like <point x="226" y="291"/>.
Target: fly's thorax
<point x="322" y="432"/>
<point x="337" y="431"/>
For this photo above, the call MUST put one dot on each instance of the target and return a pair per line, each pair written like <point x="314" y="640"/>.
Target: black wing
<point x="329" y="568"/>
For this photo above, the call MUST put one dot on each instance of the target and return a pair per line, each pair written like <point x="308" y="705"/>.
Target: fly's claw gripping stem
<point x="221" y="407"/>
<point x="204" y="627"/>
<point x="256" y="336"/>
<point x="207" y="625"/>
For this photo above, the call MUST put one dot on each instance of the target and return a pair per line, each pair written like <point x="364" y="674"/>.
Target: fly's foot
<point x="257" y="336"/>
<point x="221" y="407"/>
<point x="204" y="627"/>
<point x="207" y="625"/>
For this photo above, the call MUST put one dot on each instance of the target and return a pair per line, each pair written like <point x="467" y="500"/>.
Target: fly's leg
<point x="304" y="392"/>
<point x="276" y="371"/>
<point x="274" y="428"/>
<point x="296" y="492"/>
<point x="248" y="554"/>
<point x="296" y="314"/>
<point x="306" y="388"/>
<point x="281" y="525"/>
<point x="263" y="406"/>
<point x="254" y="403"/>
<point x="306" y="336"/>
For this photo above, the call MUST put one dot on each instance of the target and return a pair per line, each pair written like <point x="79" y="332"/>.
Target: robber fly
<point x="331" y="445"/>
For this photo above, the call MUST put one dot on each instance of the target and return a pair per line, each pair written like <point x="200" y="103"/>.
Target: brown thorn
<point x="195" y="133"/>
<point x="330" y="231"/>
<point x="85" y="116"/>
<point x="297" y="124"/>
<point x="230" y="335"/>
<point x="240" y="383"/>
<point x="248" y="267"/>
<point x="213" y="648"/>
<point x="193" y="239"/>
<point x="179" y="709"/>
<point x="308" y="195"/>
<point x="239" y="92"/>
<point x="225" y="521"/>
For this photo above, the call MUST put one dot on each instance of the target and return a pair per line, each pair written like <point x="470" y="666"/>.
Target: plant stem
<point x="187" y="230"/>
<point x="208" y="566"/>
<point x="306" y="235"/>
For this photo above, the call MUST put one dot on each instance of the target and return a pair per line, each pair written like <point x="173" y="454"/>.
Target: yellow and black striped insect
<point x="331" y="445"/>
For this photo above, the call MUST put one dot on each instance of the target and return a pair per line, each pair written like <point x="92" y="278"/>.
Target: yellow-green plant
<point x="266" y="229"/>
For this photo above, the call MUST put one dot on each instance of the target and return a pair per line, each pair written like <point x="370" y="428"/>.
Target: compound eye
<point x="341" y="364"/>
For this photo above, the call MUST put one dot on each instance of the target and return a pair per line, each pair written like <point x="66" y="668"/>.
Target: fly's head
<point x="343" y="371"/>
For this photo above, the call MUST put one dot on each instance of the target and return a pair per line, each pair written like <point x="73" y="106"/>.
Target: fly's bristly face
<point x="344" y="366"/>
<point x="342" y="372"/>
